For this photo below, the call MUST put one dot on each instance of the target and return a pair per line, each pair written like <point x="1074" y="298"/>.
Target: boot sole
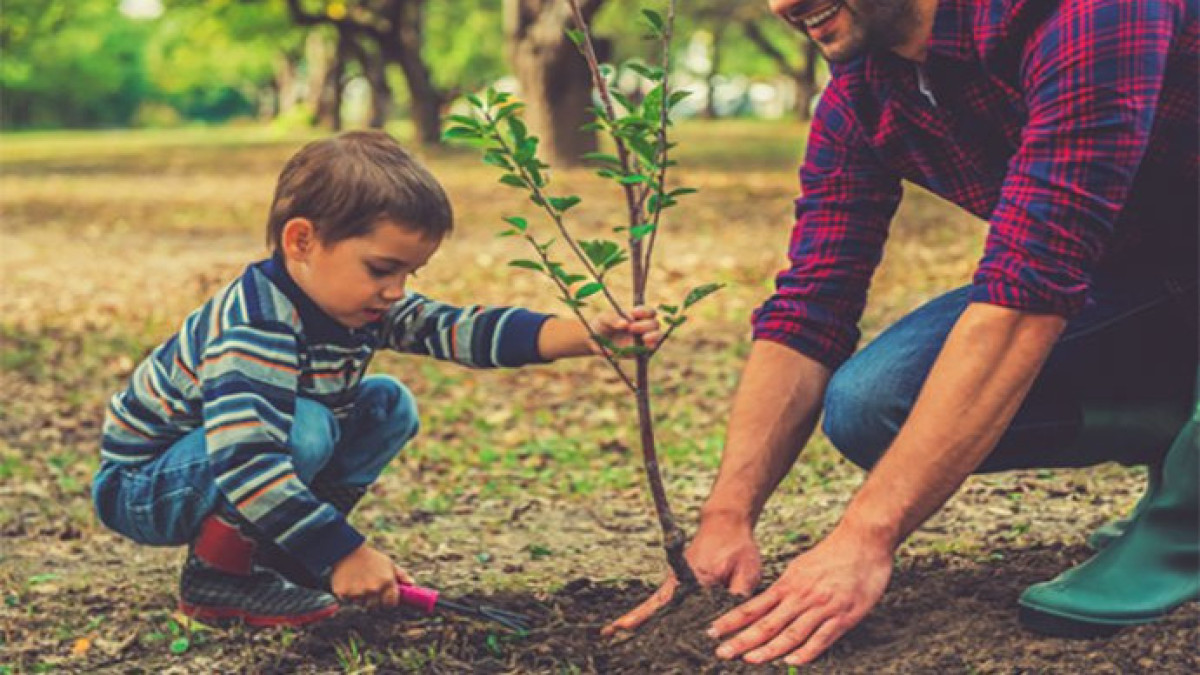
<point x="201" y="613"/>
<point x="1065" y="627"/>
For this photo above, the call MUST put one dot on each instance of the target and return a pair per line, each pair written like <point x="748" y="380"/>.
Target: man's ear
<point x="299" y="238"/>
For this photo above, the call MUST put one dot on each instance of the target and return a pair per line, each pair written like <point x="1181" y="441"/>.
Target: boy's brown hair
<point x="348" y="183"/>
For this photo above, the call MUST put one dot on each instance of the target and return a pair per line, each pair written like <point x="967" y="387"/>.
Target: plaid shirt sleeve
<point x="1091" y="76"/>
<point x="842" y="219"/>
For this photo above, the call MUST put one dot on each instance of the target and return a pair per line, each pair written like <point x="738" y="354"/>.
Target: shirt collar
<point x="317" y="325"/>
<point x="952" y="37"/>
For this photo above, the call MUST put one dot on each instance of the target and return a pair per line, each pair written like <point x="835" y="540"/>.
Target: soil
<point x="940" y="615"/>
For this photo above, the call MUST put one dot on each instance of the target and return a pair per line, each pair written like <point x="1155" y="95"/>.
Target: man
<point x="1071" y="126"/>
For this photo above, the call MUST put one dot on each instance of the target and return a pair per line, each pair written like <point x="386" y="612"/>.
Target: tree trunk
<point x="553" y="76"/>
<point x="425" y="98"/>
<point x="714" y="69"/>
<point x="806" y="80"/>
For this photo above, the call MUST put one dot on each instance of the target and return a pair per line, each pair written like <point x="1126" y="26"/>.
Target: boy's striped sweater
<point x="239" y="362"/>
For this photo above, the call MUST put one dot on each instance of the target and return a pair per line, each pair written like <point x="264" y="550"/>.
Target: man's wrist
<point x="728" y="515"/>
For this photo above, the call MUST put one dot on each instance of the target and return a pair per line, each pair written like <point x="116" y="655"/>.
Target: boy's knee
<point x="314" y="435"/>
<point x="389" y="405"/>
<point x="861" y="416"/>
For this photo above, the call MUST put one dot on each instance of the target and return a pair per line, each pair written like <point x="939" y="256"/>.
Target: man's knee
<point x="313" y="437"/>
<point x="862" y="415"/>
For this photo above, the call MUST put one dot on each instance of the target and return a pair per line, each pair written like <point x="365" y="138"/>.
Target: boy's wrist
<point x="563" y="338"/>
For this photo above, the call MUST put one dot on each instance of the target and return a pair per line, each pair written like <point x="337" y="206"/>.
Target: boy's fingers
<point x="404" y="577"/>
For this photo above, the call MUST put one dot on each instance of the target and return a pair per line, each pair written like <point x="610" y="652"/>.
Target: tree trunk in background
<point x="714" y="69"/>
<point x="555" y="82"/>
<point x="404" y="48"/>
<point x="804" y="76"/>
<point x="806" y="80"/>
<point x="285" y="84"/>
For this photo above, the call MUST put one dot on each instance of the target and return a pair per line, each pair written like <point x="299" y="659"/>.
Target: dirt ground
<point x="524" y="489"/>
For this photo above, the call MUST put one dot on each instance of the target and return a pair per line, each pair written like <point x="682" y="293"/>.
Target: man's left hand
<point x="825" y="592"/>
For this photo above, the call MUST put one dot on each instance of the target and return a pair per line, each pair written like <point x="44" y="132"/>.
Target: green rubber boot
<point x="1110" y="532"/>
<point x="1148" y="571"/>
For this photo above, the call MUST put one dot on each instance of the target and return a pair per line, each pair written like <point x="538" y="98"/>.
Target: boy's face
<point x="356" y="279"/>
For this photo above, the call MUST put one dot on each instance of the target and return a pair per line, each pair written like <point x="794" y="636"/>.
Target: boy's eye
<point x="378" y="272"/>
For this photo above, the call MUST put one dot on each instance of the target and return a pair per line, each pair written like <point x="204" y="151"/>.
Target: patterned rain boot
<point x="1147" y="572"/>
<point x="221" y="581"/>
<point x="341" y="497"/>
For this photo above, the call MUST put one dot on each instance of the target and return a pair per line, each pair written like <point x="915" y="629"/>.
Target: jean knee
<point x="858" y="420"/>
<point x="314" y="435"/>
<point x="390" y="406"/>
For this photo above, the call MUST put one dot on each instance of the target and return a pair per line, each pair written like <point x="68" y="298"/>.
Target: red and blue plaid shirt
<point x="1071" y="126"/>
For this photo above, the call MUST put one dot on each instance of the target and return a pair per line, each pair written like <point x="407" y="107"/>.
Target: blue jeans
<point x="1116" y="387"/>
<point x="164" y="501"/>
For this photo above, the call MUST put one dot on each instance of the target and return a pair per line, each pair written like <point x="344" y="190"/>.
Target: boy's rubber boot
<point x="1148" y="571"/>
<point x="341" y="497"/>
<point x="221" y="581"/>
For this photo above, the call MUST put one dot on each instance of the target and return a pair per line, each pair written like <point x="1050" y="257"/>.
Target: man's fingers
<point x="789" y="637"/>
<point x="764" y="629"/>
<point x="644" y="611"/>
<point x="642" y="312"/>
<point x="390" y="597"/>
<point x="744" y="580"/>
<point x="825" y="635"/>
<point x="745" y="614"/>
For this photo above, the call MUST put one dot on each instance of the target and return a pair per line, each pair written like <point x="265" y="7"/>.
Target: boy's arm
<point x="473" y="336"/>
<point x="249" y="377"/>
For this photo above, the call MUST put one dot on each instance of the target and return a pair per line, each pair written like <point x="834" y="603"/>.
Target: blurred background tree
<point x="337" y="63"/>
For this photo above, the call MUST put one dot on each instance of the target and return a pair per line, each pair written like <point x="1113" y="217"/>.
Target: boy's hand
<point x="368" y="577"/>
<point x="621" y="332"/>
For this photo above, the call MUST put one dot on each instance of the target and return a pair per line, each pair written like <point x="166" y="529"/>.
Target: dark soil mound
<point x="940" y="615"/>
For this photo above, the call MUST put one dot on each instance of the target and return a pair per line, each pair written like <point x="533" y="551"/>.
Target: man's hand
<point x="723" y="553"/>
<point x="824" y="593"/>
<point x="368" y="577"/>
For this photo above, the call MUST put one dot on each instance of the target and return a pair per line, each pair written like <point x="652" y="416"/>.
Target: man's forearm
<point x="775" y="410"/>
<point x="976" y="386"/>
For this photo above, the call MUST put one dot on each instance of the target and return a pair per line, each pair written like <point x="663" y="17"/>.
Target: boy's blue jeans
<point x="1116" y="387"/>
<point x="163" y="502"/>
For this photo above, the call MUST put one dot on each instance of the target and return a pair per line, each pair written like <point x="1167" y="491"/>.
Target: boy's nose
<point x="393" y="292"/>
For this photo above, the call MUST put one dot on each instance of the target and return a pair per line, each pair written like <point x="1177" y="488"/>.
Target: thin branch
<point x="554" y="214"/>
<point x="635" y="215"/>
<point x="662" y="136"/>
<point x="578" y="314"/>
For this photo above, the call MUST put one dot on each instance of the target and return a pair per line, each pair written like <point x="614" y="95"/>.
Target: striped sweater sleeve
<point x="474" y="336"/>
<point x="249" y="378"/>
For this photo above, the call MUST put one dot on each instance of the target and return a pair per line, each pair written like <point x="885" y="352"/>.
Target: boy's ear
<point x="298" y="239"/>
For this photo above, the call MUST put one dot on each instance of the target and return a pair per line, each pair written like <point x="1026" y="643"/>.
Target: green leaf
<point x="588" y="290"/>
<point x="632" y="179"/>
<point x="562" y="204"/>
<point x="675" y="321"/>
<point x="496" y="158"/>
<point x="638" y="231"/>
<point x="464" y="120"/>
<point x="602" y="157"/>
<point x="654" y="19"/>
<point x="180" y="645"/>
<point x="676" y="97"/>
<point x="652" y="73"/>
<point x="513" y="180"/>
<point x="668" y="309"/>
<point x="459" y="132"/>
<point x="474" y="100"/>
<point x="699" y="293"/>
<point x="682" y="191"/>
<point x="517" y="222"/>
<point x="527" y="264"/>
<point x="576" y="36"/>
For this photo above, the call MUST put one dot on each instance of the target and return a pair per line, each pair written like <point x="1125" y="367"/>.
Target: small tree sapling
<point x="639" y="134"/>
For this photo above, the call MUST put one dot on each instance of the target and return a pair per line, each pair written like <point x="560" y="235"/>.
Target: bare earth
<point x="524" y="489"/>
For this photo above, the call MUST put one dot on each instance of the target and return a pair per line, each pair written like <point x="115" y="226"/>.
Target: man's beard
<point x="875" y="25"/>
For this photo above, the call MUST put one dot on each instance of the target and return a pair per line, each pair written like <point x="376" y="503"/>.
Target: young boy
<point x="252" y="433"/>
